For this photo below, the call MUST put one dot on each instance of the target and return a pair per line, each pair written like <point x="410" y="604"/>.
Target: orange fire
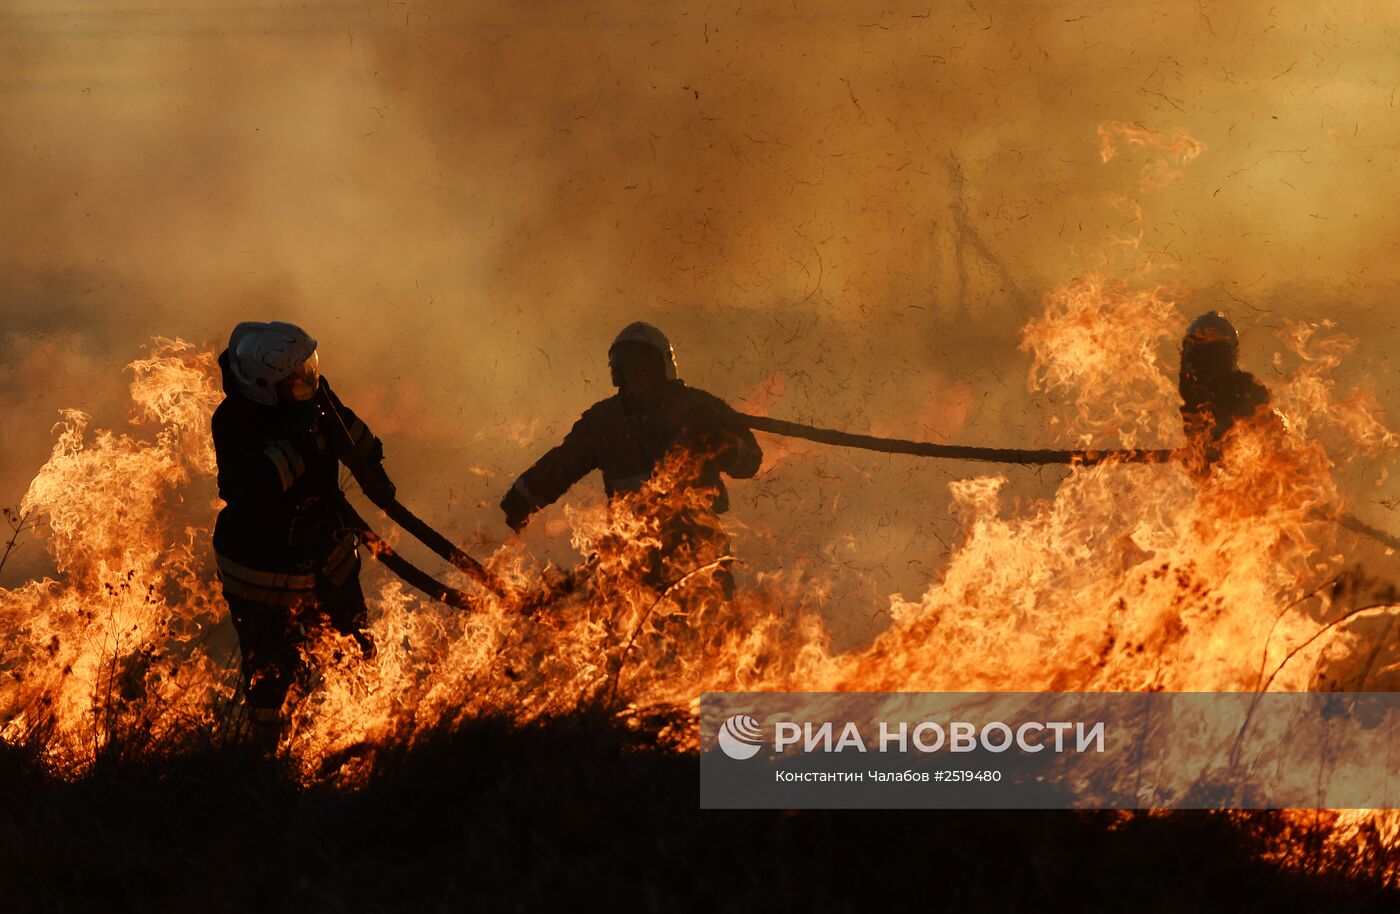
<point x="1131" y="577"/>
<point x="114" y="649"/>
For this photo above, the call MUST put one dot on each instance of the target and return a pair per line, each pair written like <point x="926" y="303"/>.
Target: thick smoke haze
<point x="839" y="213"/>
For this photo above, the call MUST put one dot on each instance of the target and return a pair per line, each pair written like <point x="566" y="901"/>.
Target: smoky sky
<point x="841" y="212"/>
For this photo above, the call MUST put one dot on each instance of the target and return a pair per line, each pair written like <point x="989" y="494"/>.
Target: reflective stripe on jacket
<point x="270" y="588"/>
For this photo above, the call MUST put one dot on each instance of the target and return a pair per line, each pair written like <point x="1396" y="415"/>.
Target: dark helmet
<point x="642" y="334"/>
<point x="1212" y="327"/>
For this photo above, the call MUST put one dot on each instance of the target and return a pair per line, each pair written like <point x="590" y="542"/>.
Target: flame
<point x="1179" y="148"/>
<point x="1130" y="577"/>
<point x="1312" y="396"/>
<point x="1098" y="341"/>
<point x="113" y="649"/>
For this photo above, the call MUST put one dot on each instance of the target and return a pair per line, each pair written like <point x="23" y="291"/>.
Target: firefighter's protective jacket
<point x="627" y="442"/>
<point x="1213" y="401"/>
<point x="279" y="475"/>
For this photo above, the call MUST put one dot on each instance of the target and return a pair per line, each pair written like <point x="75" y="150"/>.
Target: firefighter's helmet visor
<point x="301" y="384"/>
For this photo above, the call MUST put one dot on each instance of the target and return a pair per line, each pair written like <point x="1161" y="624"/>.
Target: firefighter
<point x="287" y="561"/>
<point x="1215" y="393"/>
<point x="653" y="418"/>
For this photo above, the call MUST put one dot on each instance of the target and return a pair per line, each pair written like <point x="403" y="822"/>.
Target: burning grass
<point x="1132" y="577"/>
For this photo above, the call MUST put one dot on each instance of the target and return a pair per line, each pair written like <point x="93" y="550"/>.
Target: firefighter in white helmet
<point x="627" y="436"/>
<point x="287" y="561"/>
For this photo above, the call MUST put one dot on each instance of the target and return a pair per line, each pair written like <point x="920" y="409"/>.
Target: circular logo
<point x="740" y="737"/>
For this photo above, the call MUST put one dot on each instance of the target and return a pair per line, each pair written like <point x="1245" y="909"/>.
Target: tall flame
<point x="1130" y="577"/>
<point x="113" y="648"/>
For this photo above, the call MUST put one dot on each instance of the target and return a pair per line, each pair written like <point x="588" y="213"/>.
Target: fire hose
<point x="444" y="547"/>
<point x="440" y="544"/>
<point x="401" y="566"/>
<point x="1026" y="457"/>
<point x="951" y="451"/>
<point x="1356" y="525"/>
<point x="400" y="514"/>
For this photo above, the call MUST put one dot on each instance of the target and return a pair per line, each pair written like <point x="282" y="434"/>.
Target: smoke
<point x="838" y="213"/>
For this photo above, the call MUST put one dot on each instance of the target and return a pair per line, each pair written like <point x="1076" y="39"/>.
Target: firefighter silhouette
<point x="654" y="422"/>
<point x="287" y="562"/>
<point x="1215" y="393"/>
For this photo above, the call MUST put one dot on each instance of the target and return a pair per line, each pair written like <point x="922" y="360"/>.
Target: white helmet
<point x="648" y="335"/>
<point x="261" y="355"/>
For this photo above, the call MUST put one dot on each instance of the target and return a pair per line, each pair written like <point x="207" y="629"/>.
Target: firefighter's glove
<point x="517" y="509"/>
